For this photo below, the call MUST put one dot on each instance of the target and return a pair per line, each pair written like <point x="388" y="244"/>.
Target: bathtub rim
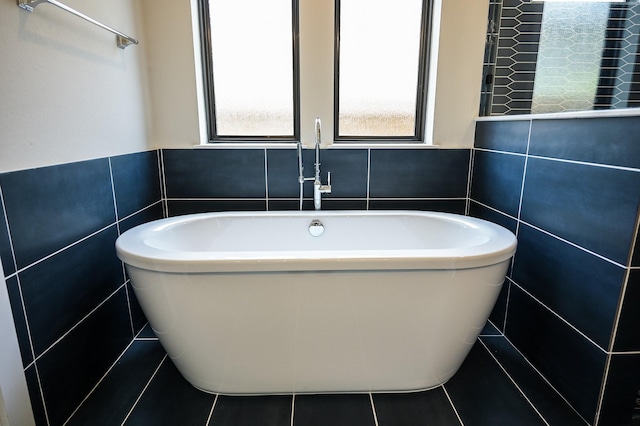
<point x="500" y="247"/>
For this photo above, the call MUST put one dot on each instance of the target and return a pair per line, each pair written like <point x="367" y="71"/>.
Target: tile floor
<point x="144" y="388"/>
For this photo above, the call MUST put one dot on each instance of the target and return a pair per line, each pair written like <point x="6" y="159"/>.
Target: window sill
<point x="288" y="145"/>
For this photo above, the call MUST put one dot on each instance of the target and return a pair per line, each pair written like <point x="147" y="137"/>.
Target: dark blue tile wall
<point x="72" y="305"/>
<point x="590" y="206"/>
<point x="52" y="207"/>
<point x="572" y="296"/>
<point x="219" y="179"/>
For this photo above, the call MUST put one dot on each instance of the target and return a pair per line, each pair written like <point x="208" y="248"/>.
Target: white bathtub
<point x="251" y="303"/>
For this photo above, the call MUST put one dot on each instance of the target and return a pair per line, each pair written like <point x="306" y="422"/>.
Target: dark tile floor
<point x="144" y="388"/>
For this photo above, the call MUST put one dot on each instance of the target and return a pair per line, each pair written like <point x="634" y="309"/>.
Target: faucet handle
<point x="326" y="189"/>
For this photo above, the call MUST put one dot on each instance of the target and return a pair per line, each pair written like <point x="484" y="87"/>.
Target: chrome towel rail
<point x="122" y="40"/>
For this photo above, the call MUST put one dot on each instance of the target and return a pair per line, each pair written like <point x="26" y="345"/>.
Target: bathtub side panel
<point x="318" y="331"/>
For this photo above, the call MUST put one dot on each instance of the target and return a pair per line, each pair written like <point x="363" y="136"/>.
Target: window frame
<point x="426" y="24"/>
<point x="209" y="89"/>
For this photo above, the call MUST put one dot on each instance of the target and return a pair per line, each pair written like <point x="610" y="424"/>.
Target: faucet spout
<point x="318" y="187"/>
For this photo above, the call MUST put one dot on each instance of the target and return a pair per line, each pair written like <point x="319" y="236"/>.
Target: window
<point x="380" y="69"/>
<point x="252" y="63"/>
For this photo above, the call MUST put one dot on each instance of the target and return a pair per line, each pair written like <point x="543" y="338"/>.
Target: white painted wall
<point x="67" y="93"/>
<point x="172" y="65"/>
<point x="13" y="384"/>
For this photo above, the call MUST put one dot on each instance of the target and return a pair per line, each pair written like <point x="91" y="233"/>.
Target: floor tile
<point x="421" y="408"/>
<point x="252" y="411"/>
<point x="484" y="396"/>
<point x="548" y="402"/>
<point x="171" y="400"/>
<point x="112" y="400"/>
<point x="333" y="410"/>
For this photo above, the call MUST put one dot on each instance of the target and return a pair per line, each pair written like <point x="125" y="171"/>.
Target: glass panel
<point x="252" y="67"/>
<point x="379" y="59"/>
<point x="569" y="57"/>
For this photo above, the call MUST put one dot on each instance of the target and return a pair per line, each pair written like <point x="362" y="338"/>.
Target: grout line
<point x="213" y="406"/>
<point x="544" y="379"/>
<point x="163" y="184"/>
<point x="76" y="325"/>
<point x="293" y="406"/>
<point x="522" y="186"/>
<point x="494" y="209"/>
<point x="586" y="250"/>
<point x="506" y="305"/>
<point x="558" y="316"/>
<point x="373" y="409"/>
<point x="519" y="221"/>
<point x="143" y="390"/>
<point x="81" y="240"/>
<point x="6" y="221"/>
<point x="126" y="292"/>
<point x="113" y="196"/>
<point x="26" y="320"/>
<point x="616" y="321"/>
<point x="140" y="211"/>
<point x="44" y="403"/>
<point x="499" y="151"/>
<point x="601" y="393"/>
<point x="514" y="382"/>
<point x="99" y="382"/>
<point x="585" y="163"/>
<point x="467" y="204"/>
<point x="452" y="405"/>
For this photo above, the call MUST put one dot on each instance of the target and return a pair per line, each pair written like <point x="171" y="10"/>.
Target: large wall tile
<point x="147" y="215"/>
<point x="588" y="205"/>
<point x="578" y="286"/>
<point x="419" y="173"/>
<point x="497" y="180"/>
<point x="181" y="207"/>
<point x="136" y="181"/>
<point x="59" y="291"/>
<point x="348" y="169"/>
<point x="51" y="207"/>
<point x="511" y="135"/>
<point x="482" y="212"/>
<point x="607" y="140"/>
<point x="215" y="173"/>
<point x="282" y="173"/>
<point x="447" y="206"/>
<point x="570" y="362"/>
<point x="19" y="319"/>
<point x="71" y="368"/>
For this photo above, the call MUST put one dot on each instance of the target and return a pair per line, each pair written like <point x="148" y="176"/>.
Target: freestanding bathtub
<point x="252" y="303"/>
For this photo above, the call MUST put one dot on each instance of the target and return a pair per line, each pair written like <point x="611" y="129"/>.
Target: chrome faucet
<point x="318" y="187"/>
